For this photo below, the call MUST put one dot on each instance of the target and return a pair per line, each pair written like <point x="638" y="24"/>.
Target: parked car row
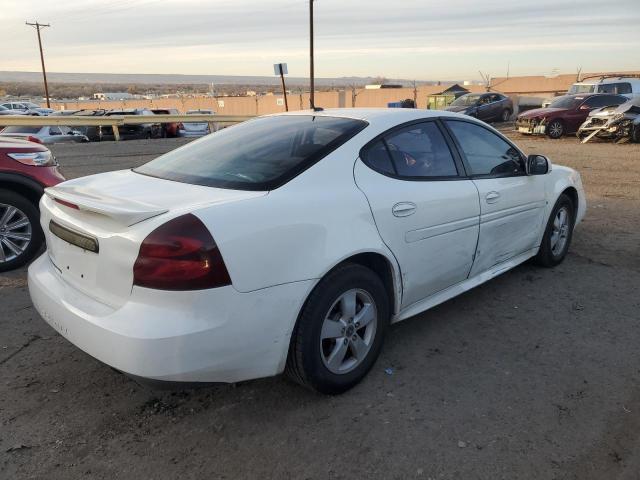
<point x="55" y="134"/>
<point x="571" y="114"/>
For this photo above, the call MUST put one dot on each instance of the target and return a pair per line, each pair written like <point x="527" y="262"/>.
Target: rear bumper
<point x="218" y="335"/>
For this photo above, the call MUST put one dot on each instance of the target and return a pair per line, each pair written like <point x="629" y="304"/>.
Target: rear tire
<point x="558" y="233"/>
<point x="340" y="331"/>
<point x="635" y="134"/>
<point x="15" y="251"/>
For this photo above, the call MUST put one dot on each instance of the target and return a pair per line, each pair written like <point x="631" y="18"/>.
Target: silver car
<point x="45" y="135"/>
<point x="195" y="129"/>
<point x="28" y="108"/>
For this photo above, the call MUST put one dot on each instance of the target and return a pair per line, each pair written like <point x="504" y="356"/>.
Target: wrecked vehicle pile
<point x="618" y="123"/>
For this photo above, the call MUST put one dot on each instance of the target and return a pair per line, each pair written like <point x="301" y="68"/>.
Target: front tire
<point x="340" y="331"/>
<point x="20" y="234"/>
<point x="506" y="115"/>
<point x="555" y="129"/>
<point x="558" y="234"/>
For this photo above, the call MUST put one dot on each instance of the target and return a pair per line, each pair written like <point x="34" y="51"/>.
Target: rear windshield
<point x="259" y="154"/>
<point x="566" y="102"/>
<point x="582" y="88"/>
<point x="21" y="129"/>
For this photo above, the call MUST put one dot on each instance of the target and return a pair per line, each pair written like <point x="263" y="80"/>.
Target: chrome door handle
<point x="492" y="197"/>
<point x="404" y="209"/>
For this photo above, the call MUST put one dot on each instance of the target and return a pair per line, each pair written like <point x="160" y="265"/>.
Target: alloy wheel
<point x="560" y="231"/>
<point x="15" y="232"/>
<point x="555" y="129"/>
<point x="348" y="331"/>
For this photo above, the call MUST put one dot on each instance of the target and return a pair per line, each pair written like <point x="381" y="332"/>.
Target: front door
<point x="426" y="213"/>
<point x="512" y="204"/>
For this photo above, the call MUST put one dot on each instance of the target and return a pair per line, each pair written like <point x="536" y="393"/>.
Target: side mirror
<point x="538" y="165"/>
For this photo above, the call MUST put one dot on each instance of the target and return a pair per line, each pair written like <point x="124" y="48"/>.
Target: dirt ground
<point x="534" y="375"/>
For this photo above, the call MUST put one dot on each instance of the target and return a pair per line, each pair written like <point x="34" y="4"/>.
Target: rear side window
<point x="486" y="152"/>
<point x="619" y="88"/>
<point x="259" y="154"/>
<point x="605" y="101"/>
<point x="415" y="152"/>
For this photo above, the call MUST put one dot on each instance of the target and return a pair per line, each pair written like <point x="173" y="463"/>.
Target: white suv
<point x="627" y="86"/>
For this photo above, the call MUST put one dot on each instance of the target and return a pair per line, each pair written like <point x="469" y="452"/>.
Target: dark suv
<point x="132" y="131"/>
<point x="26" y="169"/>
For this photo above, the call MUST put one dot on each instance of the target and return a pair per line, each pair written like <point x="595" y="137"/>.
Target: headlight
<point x="35" y="159"/>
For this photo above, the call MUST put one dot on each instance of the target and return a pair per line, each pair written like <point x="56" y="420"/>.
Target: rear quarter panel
<point x="299" y="231"/>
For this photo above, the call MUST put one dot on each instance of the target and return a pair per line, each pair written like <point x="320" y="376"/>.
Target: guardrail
<point x="116" y="121"/>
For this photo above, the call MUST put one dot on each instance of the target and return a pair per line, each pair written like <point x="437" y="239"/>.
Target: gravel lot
<point x="534" y="375"/>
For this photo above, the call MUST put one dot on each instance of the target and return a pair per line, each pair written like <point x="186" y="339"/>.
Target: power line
<point x="38" y="26"/>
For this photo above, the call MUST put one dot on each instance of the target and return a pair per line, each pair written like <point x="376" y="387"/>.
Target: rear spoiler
<point x="125" y="212"/>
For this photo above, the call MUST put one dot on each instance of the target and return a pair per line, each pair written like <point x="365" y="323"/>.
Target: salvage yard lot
<point x="535" y="374"/>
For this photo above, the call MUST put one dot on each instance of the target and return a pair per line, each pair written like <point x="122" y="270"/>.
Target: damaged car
<point x="565" y="114"/>
<point x="618" y="123"/>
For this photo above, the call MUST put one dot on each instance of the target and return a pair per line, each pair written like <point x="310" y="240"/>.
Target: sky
<point x="408" y="39"/>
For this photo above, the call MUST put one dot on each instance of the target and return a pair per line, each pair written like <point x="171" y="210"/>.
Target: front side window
<point x="259" y="154"/>
<point x="486" y="152"/>
<point x="417" y="151"/>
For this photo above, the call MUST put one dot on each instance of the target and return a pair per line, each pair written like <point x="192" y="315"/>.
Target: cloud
<point x="412" y="38"/>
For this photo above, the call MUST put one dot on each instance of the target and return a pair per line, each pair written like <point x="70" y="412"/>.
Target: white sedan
<point x="290" y="242"/>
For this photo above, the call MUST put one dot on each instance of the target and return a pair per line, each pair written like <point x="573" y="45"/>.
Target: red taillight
<point x="31" y="138"/>
<point x="180" y="255"/>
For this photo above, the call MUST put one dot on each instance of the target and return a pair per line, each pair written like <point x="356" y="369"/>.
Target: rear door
<point x="512" y="203"/>
<point x="426" y="211"/>
<point x="484" y="108"/>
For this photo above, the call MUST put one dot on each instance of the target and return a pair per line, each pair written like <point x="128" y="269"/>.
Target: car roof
<point x="584" y="96"/>
<point x="371" y="115"/>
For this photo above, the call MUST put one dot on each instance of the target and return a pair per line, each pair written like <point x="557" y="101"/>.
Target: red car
<point x="169" y="130"/>
<point x="26" y="169"/>
<point x="565" y="114"/>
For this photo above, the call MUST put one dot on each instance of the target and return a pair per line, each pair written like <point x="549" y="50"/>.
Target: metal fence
<point x="116" y="121"/>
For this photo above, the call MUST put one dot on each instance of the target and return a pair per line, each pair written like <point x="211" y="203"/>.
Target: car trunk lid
<point x="115" y="212"/>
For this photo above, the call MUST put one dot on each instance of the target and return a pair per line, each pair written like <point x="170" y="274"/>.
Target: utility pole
<point x="311" y="79"/>
<point x="38" y="26"/>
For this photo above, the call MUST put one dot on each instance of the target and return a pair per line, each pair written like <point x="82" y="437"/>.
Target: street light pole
<point x="38" y="26"/>
<point x="311" y="74"/>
